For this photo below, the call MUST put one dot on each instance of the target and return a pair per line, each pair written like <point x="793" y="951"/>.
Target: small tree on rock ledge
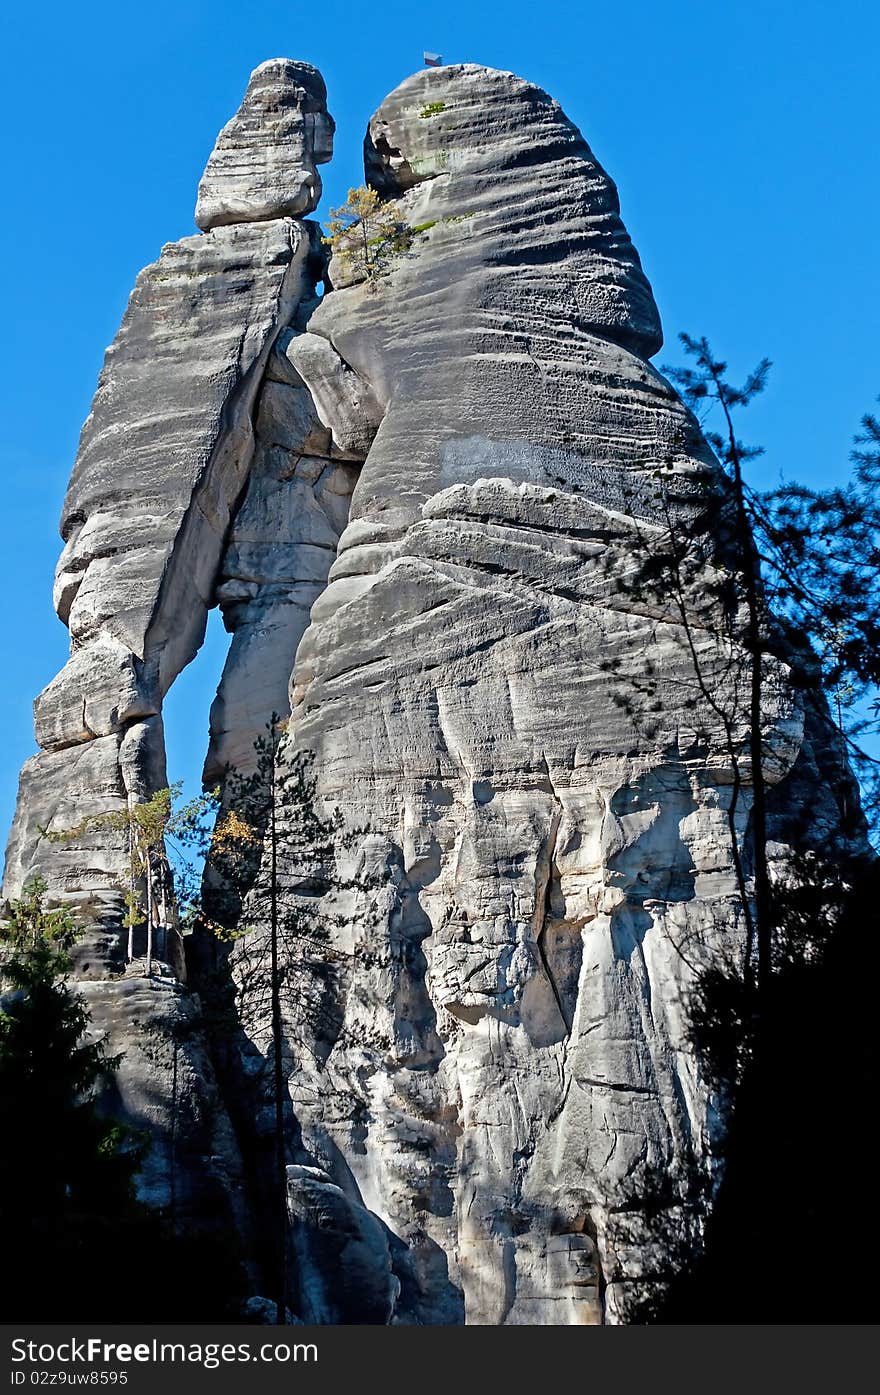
<point x="365" y="232"/>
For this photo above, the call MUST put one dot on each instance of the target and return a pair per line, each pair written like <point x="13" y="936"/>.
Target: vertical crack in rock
<point x="544" y="873"/>
<point x="283" y="538"/>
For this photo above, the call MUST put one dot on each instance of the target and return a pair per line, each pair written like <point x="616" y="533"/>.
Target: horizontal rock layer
<point x="539" y="833"/>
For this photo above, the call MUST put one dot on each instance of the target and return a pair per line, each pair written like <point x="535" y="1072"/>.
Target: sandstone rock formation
<point x="412" y="498"/>
<point x="263" y="165"/>
<point x="173" y="448"/>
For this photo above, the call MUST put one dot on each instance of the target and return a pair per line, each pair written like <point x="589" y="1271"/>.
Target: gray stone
<point x="165" y="1086"/>
<point x="163" y="461"/>
<point x="57" y="790"/>
<point x="543" y="853"/>
<point x="280" y="549"/>
<point x="344" y="1270"/>
<point x="263" y="164"/>
<point x="96" y="693"/>
<point x="345" y="403"/>
<point x="166" y="449"/>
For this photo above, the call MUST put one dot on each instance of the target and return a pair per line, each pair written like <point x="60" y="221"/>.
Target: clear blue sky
<point x="743" y="136"/>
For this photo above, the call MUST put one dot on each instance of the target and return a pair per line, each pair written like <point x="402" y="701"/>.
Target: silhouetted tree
<point x="706" y="382"/>
<point x="281" y="943"/>
<point x="66" y="1170"/>
<point x="821" y="551"/>
<point x="790" y="573"/>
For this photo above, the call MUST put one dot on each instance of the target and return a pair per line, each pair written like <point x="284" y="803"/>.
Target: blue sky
<point x="743" y="136"/>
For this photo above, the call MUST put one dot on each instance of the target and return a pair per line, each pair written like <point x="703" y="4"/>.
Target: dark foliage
<point x="793" y="1233"/>
<point x="79" y="1245"/>
<point x="794" y="1066"/>
<point x="821" y="554"/>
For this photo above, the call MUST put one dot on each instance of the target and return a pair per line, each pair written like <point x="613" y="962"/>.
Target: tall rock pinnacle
<point x="414" y="500"/>
<point x="263" y="164"/>
<point x="167" y="458"/>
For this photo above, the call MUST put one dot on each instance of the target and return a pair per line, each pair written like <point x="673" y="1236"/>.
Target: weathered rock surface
<point x="343" y="1252"/>
<point x="281" y="546"/>
<point x="263" y="164"/>
<point x="429" y="490"/>
<point x="163" y="463"/>
<point x="163" y="459"/>
<point x="542" y="849"/>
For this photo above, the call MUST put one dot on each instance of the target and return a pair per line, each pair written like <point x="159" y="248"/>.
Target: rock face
<point x="163" y="459"/>
<point x="414" y="499"/>
<point x="173" y="444"/>
<point x="263" y="165"/>
<point x="280" y="549"/>
<point x="508" y="1072"/>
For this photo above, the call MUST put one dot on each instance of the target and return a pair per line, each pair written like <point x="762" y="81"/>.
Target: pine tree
<point x="66" y="1170"/>
<point x="753" y="580"/>
<point x="821" y="551"/>
<point x="706" y="383"/>
<point x="158" y="828"/>
<point x="364" y="233"/>
<point x="278" y="943"/>
<point x="788" y="574"/>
